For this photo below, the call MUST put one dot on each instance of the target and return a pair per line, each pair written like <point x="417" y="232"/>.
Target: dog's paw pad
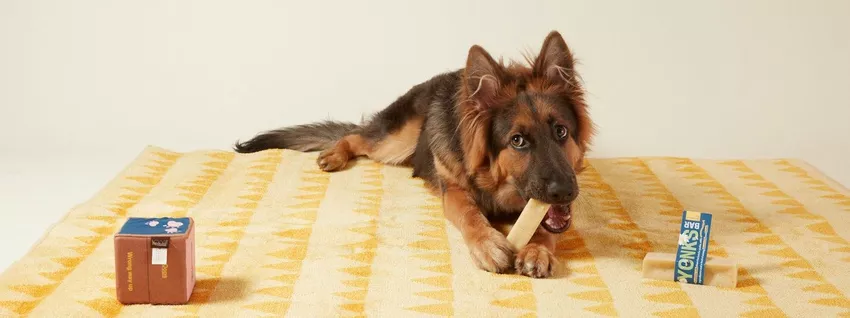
<point x="491" y="252"/>
<point x="535" y="260"/>
<point x="332" y="160"/>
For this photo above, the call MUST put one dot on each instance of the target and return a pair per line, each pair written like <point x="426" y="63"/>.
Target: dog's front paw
<point x="535" y="260"/>
<point x="491" y="251"/>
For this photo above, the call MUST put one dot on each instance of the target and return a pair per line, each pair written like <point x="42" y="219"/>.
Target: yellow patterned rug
<point x="277" y="237"/>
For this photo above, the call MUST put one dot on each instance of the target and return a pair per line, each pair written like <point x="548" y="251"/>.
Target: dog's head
<point x="527" y="127"/>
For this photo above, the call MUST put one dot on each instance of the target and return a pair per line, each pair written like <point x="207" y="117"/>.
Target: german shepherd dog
<point x="486" y="137"/>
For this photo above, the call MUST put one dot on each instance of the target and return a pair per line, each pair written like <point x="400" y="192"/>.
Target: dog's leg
<point x="537" y="259"/>
<point x="395" y="147"/>
<point x="336" y="157"/>
<point x="489" y="248"/>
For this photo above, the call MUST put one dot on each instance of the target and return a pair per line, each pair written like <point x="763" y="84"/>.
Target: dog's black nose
<point x="559" y="192"/>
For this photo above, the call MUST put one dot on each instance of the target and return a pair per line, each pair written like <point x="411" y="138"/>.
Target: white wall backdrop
<point x="92" y="82"/>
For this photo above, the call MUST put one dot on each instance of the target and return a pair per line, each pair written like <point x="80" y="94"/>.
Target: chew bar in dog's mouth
<point x="553" y="218"/>
<point x="558" y="218"/>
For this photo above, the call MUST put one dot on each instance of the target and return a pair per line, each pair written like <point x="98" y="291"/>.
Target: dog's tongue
<point x="558" y="219"/>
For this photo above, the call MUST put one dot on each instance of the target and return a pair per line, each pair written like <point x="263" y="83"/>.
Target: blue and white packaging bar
<point x="693" y="248"/>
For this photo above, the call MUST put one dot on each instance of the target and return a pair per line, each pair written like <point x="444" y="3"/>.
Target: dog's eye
<point x="561" y="131"/>
<point x="517" y="141"/>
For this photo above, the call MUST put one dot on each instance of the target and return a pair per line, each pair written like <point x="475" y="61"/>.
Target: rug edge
<point x="822" y="175"/>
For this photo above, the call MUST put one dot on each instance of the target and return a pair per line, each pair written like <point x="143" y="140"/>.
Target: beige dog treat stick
<point x="719" y="272"/>
<point x="527" y="223"/>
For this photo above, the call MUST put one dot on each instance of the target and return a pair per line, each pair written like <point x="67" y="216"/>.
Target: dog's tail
<point x="309" y="137"/>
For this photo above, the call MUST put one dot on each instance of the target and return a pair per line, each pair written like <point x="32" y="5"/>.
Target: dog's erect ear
<point x="555" y="61"/>
<point x="482" y="77"/>
<point x="557" y="64"/>
<point x="482" y="80"/>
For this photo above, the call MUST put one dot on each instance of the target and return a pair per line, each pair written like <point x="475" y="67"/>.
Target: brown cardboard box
<point x="155" y="261"/>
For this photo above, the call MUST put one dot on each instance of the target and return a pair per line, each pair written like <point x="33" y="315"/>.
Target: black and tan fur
<point x="486" y="137"/>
